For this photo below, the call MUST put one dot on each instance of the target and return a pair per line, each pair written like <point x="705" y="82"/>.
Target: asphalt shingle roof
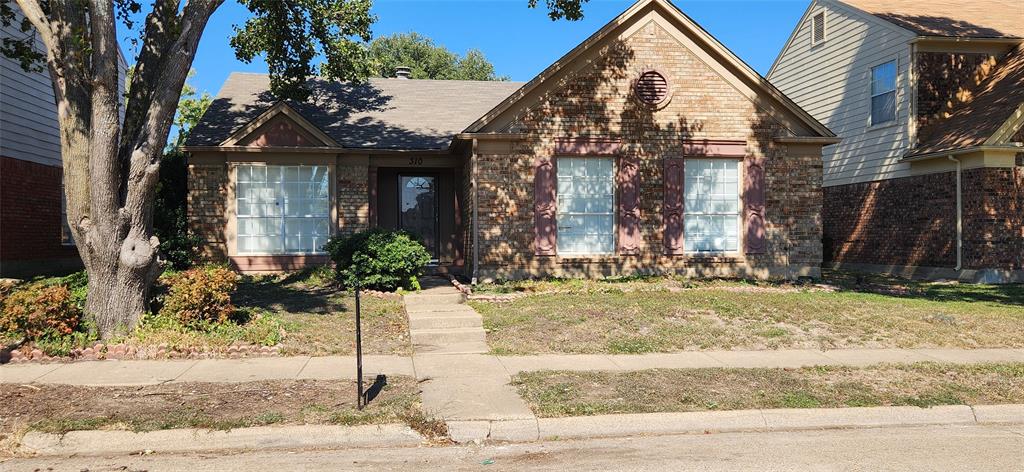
<point x="955" y="18"/>
<point x="379" y="114"/>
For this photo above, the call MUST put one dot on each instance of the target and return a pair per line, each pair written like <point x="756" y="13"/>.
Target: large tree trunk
<point x="111" y="168"/>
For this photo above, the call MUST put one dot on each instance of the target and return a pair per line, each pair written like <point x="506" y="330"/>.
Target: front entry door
<point x="417" y="208"/>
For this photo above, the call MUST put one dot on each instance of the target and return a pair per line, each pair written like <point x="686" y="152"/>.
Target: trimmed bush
<point x="379" y="259"/>
<point x="40" y="311"/>
<point x="200" y="296"/>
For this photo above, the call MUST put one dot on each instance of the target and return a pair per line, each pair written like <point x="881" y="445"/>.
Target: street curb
<point x="196" y="440"/>
<point x="701" y="422"/>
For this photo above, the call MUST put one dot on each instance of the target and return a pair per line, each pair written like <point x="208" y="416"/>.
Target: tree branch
<point x="104" y="167"/>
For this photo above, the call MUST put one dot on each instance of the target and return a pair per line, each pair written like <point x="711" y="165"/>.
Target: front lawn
<point x="564" y="393"/>
<point x="665" y="315"/>
<point x="318" y="318"/>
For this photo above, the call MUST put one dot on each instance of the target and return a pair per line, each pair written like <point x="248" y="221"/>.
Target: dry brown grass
<point x="319" y="318"/>
<point x="664" y="315"/>
<point x="562" y="393"/>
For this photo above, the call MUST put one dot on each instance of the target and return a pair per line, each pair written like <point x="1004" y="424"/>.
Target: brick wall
<point x="943" y="79"/>
<point x="30" y="218"/>
<point x="353" y="198"/>
<point x="207" y="200"/>
<point x="993" y="204"/>
<point x="911" y="221"/>
<point x="597" y="101"/>
<point x="906" y="221"/>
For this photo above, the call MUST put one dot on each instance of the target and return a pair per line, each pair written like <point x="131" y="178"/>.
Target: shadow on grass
<point x="1005" y="294"/>
<point x="311" y="292"/>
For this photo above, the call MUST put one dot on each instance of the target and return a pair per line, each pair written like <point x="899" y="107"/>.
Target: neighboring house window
<point x="818" y="28"/>
<point x="282" y="209"/>
<point x="711" y="214"/>
<point x="883" y="93"/>
<point x="66" y="238"/>
<point x="586" y="205"/>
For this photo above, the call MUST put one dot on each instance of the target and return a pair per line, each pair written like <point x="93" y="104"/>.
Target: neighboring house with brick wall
<point x="928" y="98"/>
<point x="34" y="236"/>
<point x="649" y="148"/>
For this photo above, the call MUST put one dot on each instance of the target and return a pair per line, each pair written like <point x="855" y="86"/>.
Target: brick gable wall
<point x="597" y="101"/>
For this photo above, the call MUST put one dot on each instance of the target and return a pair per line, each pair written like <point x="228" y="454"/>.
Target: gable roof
<point x="996" y="108"/>
<point x="952" y="18"/>
<point x="389" y="114"/>
<point x="742" y="69"/>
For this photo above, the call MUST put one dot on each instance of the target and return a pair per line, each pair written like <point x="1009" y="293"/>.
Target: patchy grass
<point x="665" y="315"/>
<point x="319" y="319"/>
<point x="564" y="393"/>
<point x="63" y="408"/>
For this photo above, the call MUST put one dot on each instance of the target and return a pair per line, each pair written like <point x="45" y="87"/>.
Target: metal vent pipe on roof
<point x="403" y="72"/>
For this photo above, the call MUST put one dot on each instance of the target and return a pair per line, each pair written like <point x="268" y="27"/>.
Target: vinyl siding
<point x="831" y="80"/>
<point x="28" y="116"/>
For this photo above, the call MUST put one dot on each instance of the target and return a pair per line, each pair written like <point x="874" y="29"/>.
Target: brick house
<point x="649" y="148"/>
<point x="928" y="98"/>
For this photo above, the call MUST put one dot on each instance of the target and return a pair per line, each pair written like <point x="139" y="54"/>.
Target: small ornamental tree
<point x="111" y="164"/>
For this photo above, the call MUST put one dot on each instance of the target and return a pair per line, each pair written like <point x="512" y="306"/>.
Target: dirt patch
<point x="563" y="393"/>
<point x="62" y="408"/>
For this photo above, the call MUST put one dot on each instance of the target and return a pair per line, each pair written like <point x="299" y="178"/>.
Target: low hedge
<point x="379" y="259"/>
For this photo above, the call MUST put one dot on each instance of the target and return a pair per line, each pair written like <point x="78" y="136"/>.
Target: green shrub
<point x="379" y="259"/>
<point x="199" y="296"/>
<point x="178" y="246"/>
<point x="38" y="310"/>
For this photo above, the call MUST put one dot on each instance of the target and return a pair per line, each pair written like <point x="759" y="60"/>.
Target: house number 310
<point x="416" y="161"/>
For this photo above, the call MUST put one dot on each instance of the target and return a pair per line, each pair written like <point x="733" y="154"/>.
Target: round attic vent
<point x="651" y="88"/>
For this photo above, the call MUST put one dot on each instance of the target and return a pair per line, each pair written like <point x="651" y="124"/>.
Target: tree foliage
<point x="571" y="10"/>
<point x="426" y="59"/>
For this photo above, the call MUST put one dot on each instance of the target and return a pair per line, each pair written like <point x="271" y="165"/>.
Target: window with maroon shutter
<point x="673" y="207"/>
<point x="754" y="205"/>
<point x="545" y="200"/>
<point x="629" y="205"/>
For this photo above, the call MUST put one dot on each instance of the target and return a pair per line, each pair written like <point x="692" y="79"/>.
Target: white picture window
<point x="282" y="209"/>
<point x="586" y="205"/>
<point x="711" y="218"/>
<point x="883" y="93"/>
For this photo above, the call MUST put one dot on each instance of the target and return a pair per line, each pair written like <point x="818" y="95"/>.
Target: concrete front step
<point x="445" y="322"/>
<point x="446" y="335"/>
<point x="414" y="299"/>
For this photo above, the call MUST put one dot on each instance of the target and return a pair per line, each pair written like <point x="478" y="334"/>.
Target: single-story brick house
<point x="649" y="148"/>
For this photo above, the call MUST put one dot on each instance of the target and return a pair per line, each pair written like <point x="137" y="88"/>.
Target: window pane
<point x="883" y="108"/>
<point x="586" y="205"/>
<point x="711" y="205"/>
<point x="883" y="78"/>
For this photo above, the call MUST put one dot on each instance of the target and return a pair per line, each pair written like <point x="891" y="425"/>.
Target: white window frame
<point x="282" y="216"/>
<point x="895" y="94"/>
<point x="613" y="213"/>
<point x="687" y="239"/>
<point x="824" y="27"/>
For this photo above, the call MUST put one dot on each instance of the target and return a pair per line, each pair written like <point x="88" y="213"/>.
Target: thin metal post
<point x="360" y="401"/>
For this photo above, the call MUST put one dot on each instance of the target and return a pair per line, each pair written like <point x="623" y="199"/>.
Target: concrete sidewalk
<point x="466" y="366"/>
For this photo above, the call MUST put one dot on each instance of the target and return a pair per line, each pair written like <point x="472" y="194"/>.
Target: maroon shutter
<point x="673" y="211"/>
<point x="753" y="204"/>
<point x="545" y="187"/>
<point x="629" y="205"/>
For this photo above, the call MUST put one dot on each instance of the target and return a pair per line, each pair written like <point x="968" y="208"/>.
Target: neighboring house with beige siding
<point x="928" y="97"/>
<point x="34" y="237"/>
<point x="649" y="148"/>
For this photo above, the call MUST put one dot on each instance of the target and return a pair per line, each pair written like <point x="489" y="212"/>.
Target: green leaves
<point x="427" y="60"/>
<point x="291" y="34"/>
<point x="571" y="10"/>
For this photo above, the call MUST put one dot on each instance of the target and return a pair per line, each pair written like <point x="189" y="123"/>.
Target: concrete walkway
<point x="150" y="372"/>
<point x="461" y="385"/>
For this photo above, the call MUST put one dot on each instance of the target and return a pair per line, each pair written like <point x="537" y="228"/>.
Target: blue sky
<point x="520" y="41"/>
